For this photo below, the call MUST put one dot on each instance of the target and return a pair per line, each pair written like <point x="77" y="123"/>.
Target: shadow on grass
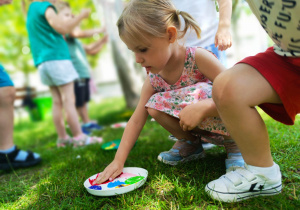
<point x="58" y="181"/>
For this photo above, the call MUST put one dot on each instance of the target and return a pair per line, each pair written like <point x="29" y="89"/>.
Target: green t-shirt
<point x="78" y="57"/>
<point x="45" y="43"/>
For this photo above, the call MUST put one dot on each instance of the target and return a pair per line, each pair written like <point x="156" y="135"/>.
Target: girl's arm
<point x="223" y="38"/>
<point x="208" y="64"/>
<point x="130" y="135"/>
<point x="61" y="26"/>
<point x="194" y="114"/>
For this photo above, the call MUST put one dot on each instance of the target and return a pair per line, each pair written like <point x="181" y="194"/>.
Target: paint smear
<point x="133" y="180"/>
<point x="122" y="185"/>
<point x="111" y="146"/>
<point x="107" y="181"/>
<point x="127" y="175"/>
<point x="95" y="187"/>
<point x="114" y="184"/>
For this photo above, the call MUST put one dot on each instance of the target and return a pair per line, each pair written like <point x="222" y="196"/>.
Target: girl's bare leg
<point x="171" y="124"/>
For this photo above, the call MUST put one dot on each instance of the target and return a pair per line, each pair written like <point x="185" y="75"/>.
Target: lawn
<point x="57" y="183"/>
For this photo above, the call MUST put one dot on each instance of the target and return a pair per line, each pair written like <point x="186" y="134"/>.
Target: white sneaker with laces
<point x="240" y="184"/>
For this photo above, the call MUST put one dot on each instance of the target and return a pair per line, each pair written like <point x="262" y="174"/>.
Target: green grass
<point x="57" y="183"/>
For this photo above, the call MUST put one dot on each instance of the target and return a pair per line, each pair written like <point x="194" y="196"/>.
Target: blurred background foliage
<point x="14" y="44"/>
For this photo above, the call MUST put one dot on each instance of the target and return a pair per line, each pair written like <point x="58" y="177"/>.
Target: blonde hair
<point x="152" y="17"/>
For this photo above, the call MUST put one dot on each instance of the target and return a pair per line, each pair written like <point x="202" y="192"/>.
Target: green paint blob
<point x="134" y="179"/>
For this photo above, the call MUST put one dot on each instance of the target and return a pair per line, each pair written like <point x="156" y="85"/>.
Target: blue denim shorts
<point x="221" y="55"/>
<point x="57" y="72"/>
<point x="4" y="78"/>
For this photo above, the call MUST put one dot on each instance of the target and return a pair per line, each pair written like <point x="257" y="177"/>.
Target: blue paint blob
<point x="114" y="184"/>
<point x="95" y="187"/>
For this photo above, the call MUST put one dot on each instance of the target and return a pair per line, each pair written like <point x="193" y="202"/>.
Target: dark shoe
<point x="90" y="127"/>
<point x="7" y="161"/>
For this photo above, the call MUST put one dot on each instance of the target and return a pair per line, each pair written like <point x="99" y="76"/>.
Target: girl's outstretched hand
<point x="110" y="172"/>
<point x="223" y="39"/>
<point x="190" y="117"/>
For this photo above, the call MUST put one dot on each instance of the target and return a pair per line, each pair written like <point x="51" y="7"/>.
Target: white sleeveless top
<point x="204" y="12"/>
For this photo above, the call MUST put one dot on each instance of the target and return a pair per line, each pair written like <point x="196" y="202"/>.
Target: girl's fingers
<point x="101" y="178"/>
<point x="114" y="175"/>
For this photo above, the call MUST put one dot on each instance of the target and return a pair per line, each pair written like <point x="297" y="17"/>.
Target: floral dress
<point x="191" y="87"/>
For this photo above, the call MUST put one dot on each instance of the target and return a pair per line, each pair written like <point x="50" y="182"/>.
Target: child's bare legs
<point x="171" y="124"/>
<point x="10" y="155"/>
<point x="187" y="148"/>
<point x="63" y="99"/>
<point x="7" y="96"/>
<point x="57" y="112"/>
<point x="83" y="113"/>
<point x="244" y="88"/>
<point x="236" y="92"/>
<point x="68" y="101"/>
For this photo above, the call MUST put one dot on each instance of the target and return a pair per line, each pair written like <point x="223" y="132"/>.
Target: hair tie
<point x="178" y="12"/>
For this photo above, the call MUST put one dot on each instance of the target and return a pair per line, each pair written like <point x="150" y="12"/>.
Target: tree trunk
<point x="130" y="76"/>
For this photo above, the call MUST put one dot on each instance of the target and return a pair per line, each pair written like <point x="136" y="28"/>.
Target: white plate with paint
<point x="131" y="179"/>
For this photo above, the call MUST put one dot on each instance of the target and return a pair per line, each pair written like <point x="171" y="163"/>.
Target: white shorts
<point x="57" y="72"/>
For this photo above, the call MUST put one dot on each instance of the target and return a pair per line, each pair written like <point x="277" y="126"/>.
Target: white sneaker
<point x="240" y="184"/>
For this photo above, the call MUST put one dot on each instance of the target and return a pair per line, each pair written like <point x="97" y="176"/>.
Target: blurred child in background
<point x="78" y="53"/>
<point x="52" y="58"/>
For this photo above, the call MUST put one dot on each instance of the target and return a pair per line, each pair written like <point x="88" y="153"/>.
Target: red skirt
<point x="283" y="74"/>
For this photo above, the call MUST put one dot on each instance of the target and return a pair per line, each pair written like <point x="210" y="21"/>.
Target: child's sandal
<point x="8" y="161"/>
<point x="86" y="140"/>
<point x="63" y="142"/>
<point x="234" y="157"/>
<point x="182" y="151"/>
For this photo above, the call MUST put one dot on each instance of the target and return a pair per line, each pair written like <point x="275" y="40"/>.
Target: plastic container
<point x="44" y="107"/>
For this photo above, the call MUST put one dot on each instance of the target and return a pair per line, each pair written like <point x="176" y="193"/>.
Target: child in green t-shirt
<point x="52" y="58"/>
<point x="78" y="53"/>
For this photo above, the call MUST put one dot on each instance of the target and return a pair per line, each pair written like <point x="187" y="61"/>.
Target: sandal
<point x="63" y="142"/>
<point x="182" y="151"/>
<point x="7" y="161"/>
<point x="234" y="156"/>
<point x="86" y="140"/>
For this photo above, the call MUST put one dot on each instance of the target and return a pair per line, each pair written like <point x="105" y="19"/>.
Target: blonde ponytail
<point x="152" y="17"/>
<point x="189" y="23"/>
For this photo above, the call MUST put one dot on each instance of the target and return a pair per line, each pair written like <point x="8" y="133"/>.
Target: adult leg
<point x="236" y="92"/>
<point x="57" y="112"/>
